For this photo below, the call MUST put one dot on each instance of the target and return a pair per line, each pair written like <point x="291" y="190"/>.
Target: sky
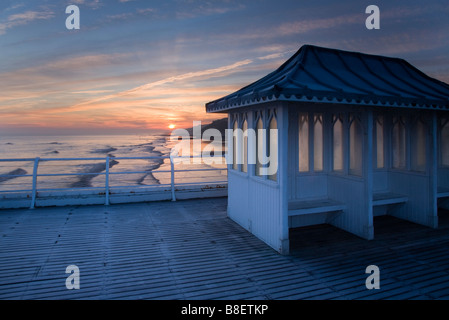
<point x="139" y="65"/>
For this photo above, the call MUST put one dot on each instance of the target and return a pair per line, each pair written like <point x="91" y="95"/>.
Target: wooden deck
<point x="191" y="250"/>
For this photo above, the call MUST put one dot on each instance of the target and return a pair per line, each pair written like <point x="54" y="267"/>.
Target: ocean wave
<point x="84" y="181"/>
<point x="105" y="150"/>
<point x="90" y="172"/>
<point x="16" y="172"/>
<point x="150" y="176"/>
<point x="53" y="152"/>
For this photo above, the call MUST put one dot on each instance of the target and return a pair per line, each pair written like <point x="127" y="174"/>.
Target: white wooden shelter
<point x="358" y="136"/>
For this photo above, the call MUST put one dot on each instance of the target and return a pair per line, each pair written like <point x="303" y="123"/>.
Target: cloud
<point x="65" y="79"/>
<point x="170" y="69"/>
<point x="130" y="15"/>
<point x="145" y="11"/>
<point x="179" y="98"/>
<point x="273" y="56"/>
<point x="121" y="16"/>
<point x="92" y="91"/>
<point x="306" y="26"/>
<point x="94" y="4"/>
<point x="65" y="67"/>
<point x="203" y="73"/>
<point x="207" y="8"/>
<point x="319" y="26"/>
<point x="16" y="6"/>
<point x="24" y="18"/>
<point x="209" y="72"/>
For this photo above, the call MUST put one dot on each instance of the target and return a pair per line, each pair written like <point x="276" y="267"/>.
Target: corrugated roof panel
<point x="345" y="79"/>
<point x="371" y="80"/>
<point x="417" y="84"/>
<point x="310" y="80"/>
<point x="396" y="83"/>
<point x="336" y="76"/>
<point x="440" y="87"/>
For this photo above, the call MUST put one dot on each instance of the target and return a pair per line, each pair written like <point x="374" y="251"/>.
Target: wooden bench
<point x="302" y="207"/>
<point x="329" y="206"/>
<point x="388" y="198"/>
<point x="442" y="192"/>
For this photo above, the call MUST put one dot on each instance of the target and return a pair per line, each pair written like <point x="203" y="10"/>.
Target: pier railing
<point x="33" y="190"/>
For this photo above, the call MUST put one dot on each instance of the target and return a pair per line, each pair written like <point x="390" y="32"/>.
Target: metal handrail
<point x="107" y="173"/>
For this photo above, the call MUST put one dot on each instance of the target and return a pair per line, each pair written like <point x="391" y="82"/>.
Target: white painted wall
<point x="260" y="205"/>
<point x="418" y="208"/>
<point x="239" y="199"/>
<point x="443" y="177"/>
<point x="380" y="181"/>
<point x="351" y="191"/>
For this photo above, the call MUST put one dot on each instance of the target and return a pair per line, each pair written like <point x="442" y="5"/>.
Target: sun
<point x="171" y="126"/>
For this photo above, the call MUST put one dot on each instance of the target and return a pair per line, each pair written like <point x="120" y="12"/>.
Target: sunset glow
<point x="134" y="64"/>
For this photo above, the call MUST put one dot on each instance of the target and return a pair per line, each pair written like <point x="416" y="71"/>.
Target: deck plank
<point x="191" y="250"/>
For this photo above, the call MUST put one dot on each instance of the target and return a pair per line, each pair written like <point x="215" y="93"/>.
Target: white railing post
<point x="172" y="169"/>
<point x="34" y="191"/>
<point x="106" y="191"/>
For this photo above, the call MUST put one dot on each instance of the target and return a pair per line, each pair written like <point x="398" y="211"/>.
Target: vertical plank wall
<point x="420" y="187"/>
<point x="255" y="205"/>
<point x="258" y="204"/>
<point x="442" y="171"/>
<point x="351" y="192"/>
<point x="356" y="192"/>
<point x="417" y="188"/>
<point x="443" y="177"/>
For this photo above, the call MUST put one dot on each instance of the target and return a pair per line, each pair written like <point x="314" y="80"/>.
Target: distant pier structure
<point x="358" y="136"/>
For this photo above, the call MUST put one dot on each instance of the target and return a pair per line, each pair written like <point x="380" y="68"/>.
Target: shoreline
<point x="161" y="146"/>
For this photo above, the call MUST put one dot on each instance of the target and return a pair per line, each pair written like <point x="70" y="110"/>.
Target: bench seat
<point x="302" y="207"/>
<point x="442" y="192"/>
<point x="387" y="198"/>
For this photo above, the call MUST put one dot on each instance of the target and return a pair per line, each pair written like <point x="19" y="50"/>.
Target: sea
<point x="61" y="174"/>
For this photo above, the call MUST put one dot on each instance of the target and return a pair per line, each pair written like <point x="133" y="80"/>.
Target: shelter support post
<point x="433" y="154"/>
<point x="368" y="173"/>
<point x="283" y="178"/>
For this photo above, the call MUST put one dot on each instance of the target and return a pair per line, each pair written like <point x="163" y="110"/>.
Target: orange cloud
<point x="37" y="96"/>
